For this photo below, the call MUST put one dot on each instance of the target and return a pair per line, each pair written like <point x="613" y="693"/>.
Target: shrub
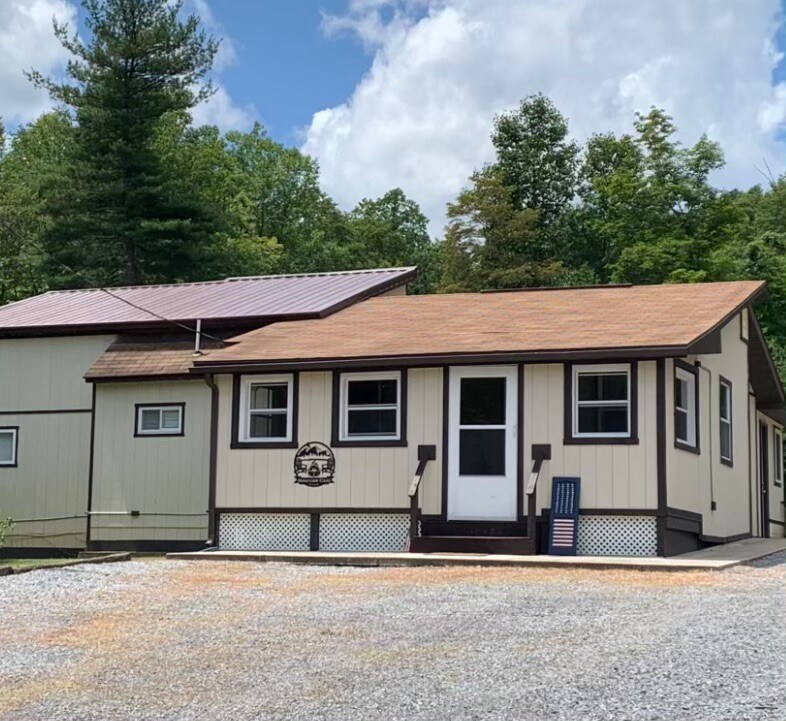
<point x="6" y="524"/>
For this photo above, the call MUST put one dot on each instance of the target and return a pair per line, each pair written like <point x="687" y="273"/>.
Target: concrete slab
<point x="717" y="558"/>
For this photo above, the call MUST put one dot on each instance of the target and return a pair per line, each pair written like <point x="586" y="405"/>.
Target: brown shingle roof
<point x="535" y="321"/>
<point x="214" y="302"/>
<point x="139" y="359"/>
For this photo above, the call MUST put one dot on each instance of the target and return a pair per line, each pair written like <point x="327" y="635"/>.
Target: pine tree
<point x="120" y="217"/>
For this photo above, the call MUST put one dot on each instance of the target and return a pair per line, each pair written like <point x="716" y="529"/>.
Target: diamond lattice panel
<point x="264" y="531"/>
<point x="363" y="531"/>
<point x="617" y="536"/>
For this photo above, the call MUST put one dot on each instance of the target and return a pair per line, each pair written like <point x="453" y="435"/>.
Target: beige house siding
<point x="612" y="476"/>
<point x="50" y="479"/>
<point x="153" y="475"/>
<point x="365" y="477"/>
<point x="694" y="481"/>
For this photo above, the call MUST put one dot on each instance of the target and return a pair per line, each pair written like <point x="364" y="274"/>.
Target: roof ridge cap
<point x="358" y="271"/>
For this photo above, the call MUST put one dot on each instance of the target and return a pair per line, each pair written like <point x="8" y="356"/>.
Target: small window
<point x="267" y="403"/>
<point x="685" y="408"/>
<point x="778" y="450"/>
<point x="370" y="407"/>
<point x="8" y="445"/>
<point x="163" y="420"/>
<point x="601" y="401"/>
<point x="725" y="410"/>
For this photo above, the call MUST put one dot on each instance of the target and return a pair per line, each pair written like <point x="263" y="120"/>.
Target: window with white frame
<point x="685" y="407"/>
<point x="370" y="407"/>
<point x="724" y="411"/>
<point x="601" y="401"/>
<point x="778" y="450"/>
<point x="8" y="445"/>
<point x="267" y="409"/>
<point x="160" y="420"/>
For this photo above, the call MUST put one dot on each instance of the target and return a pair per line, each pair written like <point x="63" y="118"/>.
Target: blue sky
<point x="402" y="93"/>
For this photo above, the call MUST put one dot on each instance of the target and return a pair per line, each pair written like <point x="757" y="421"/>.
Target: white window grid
<point x="249" y="382"/>
<point x="600" y="370"/>
<point x="346" y="408"/>
<point x="689" y="410"/>
<point x="161" y="428"/>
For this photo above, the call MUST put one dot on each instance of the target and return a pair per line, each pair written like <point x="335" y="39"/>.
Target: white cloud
<point x="27" y="42"/>
<point x="222" y="111"/>
<point x="421" y="117"/>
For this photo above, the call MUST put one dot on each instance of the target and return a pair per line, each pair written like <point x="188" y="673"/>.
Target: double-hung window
<point x="370" y="407"/>
<point x="602" y="401"/>
<point x="685" y="407"/>
<point x="8" y="445"/>
<point x="267" y="408"/>
<point x="160" y="420"/>
<point x="725" y="419"/>
<point x="778" y="460"/>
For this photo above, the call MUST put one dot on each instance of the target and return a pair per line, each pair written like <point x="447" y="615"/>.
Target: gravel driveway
<point x="182" y="640"/>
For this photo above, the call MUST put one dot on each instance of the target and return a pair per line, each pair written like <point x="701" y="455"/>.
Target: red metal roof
<point x="214" y="302"/>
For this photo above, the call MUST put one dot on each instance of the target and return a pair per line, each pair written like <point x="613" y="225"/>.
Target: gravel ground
<point x="182" y="640"/>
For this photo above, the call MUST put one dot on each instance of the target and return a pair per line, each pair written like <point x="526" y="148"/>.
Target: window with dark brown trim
<point x="725" y="421"/>
<point x="264" y="411"/>
<point x="369" y="408"/>
<point x="777" y="447"/>
<point x="9" y="446"/>
<point x="159" y="419"/>
<point x="686" y="406"/>
<point x="601" y="403"/>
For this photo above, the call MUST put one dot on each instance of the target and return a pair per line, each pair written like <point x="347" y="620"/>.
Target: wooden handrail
<point x="425" y="454"/>
<point x="540" y="452"/>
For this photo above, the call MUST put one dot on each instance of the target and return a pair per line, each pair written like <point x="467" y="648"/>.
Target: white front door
<point x="482" y="443"/>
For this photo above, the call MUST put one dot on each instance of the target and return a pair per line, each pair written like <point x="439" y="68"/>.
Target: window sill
<point x="727" y="462"/>
<point x="687" y="447"/>
<point x="159" y="435"/>
<point x="263" y="444"/>
<point x="399" y="443"/>
<point x="600" y="441"/>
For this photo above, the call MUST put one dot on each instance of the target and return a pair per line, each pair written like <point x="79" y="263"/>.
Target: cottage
<point x="335" y="412"/>
<point x="448" y="418"/>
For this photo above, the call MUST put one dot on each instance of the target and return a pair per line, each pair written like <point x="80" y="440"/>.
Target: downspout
<point x="212" y="539"/>
<point x="90" y="467"/>
<point x="712" y="451"/>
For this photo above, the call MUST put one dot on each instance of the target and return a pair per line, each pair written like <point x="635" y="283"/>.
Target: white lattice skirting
<point x="617" y="536"/>
<point x="363" y="532"/>
<point x="292" y="531"/>
<point x="264" y="531"/>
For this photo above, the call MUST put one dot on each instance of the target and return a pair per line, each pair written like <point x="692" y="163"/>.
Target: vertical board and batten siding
<point x="365" y="477"/>
<point x="695" y="480"/>
<point x="152" y="475"/>
<point x="50" y="478"/>
<point x="612" y="476"/>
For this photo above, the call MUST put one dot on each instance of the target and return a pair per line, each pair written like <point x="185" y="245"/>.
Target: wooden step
<point x="518" y="545"/>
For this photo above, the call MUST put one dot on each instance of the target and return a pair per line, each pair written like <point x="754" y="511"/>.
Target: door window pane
<point x="482" y="452"/>
<point x="482" y="401"/>
<point x="372" y="422"/>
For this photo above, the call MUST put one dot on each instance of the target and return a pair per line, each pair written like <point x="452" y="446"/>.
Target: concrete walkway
<point x="716" y="558"/>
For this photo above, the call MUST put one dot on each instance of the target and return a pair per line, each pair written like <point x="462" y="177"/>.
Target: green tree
<point x="392" y="231"/>
<point x="535" y="158"/>
<point x="119" y="214"/>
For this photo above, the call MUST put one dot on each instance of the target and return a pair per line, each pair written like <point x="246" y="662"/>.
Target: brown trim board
<point x="212" y="526"/>
<point x="660" y="432"/>
<point x="91" y="465"/>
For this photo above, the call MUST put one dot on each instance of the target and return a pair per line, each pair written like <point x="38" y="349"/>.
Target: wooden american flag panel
<point x="564" y="517"/>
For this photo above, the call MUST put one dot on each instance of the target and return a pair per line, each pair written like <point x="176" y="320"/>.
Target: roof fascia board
<point x="599" y="355"/>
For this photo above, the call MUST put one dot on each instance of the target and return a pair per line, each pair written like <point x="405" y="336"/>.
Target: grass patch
<point x="33" y="562"/>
